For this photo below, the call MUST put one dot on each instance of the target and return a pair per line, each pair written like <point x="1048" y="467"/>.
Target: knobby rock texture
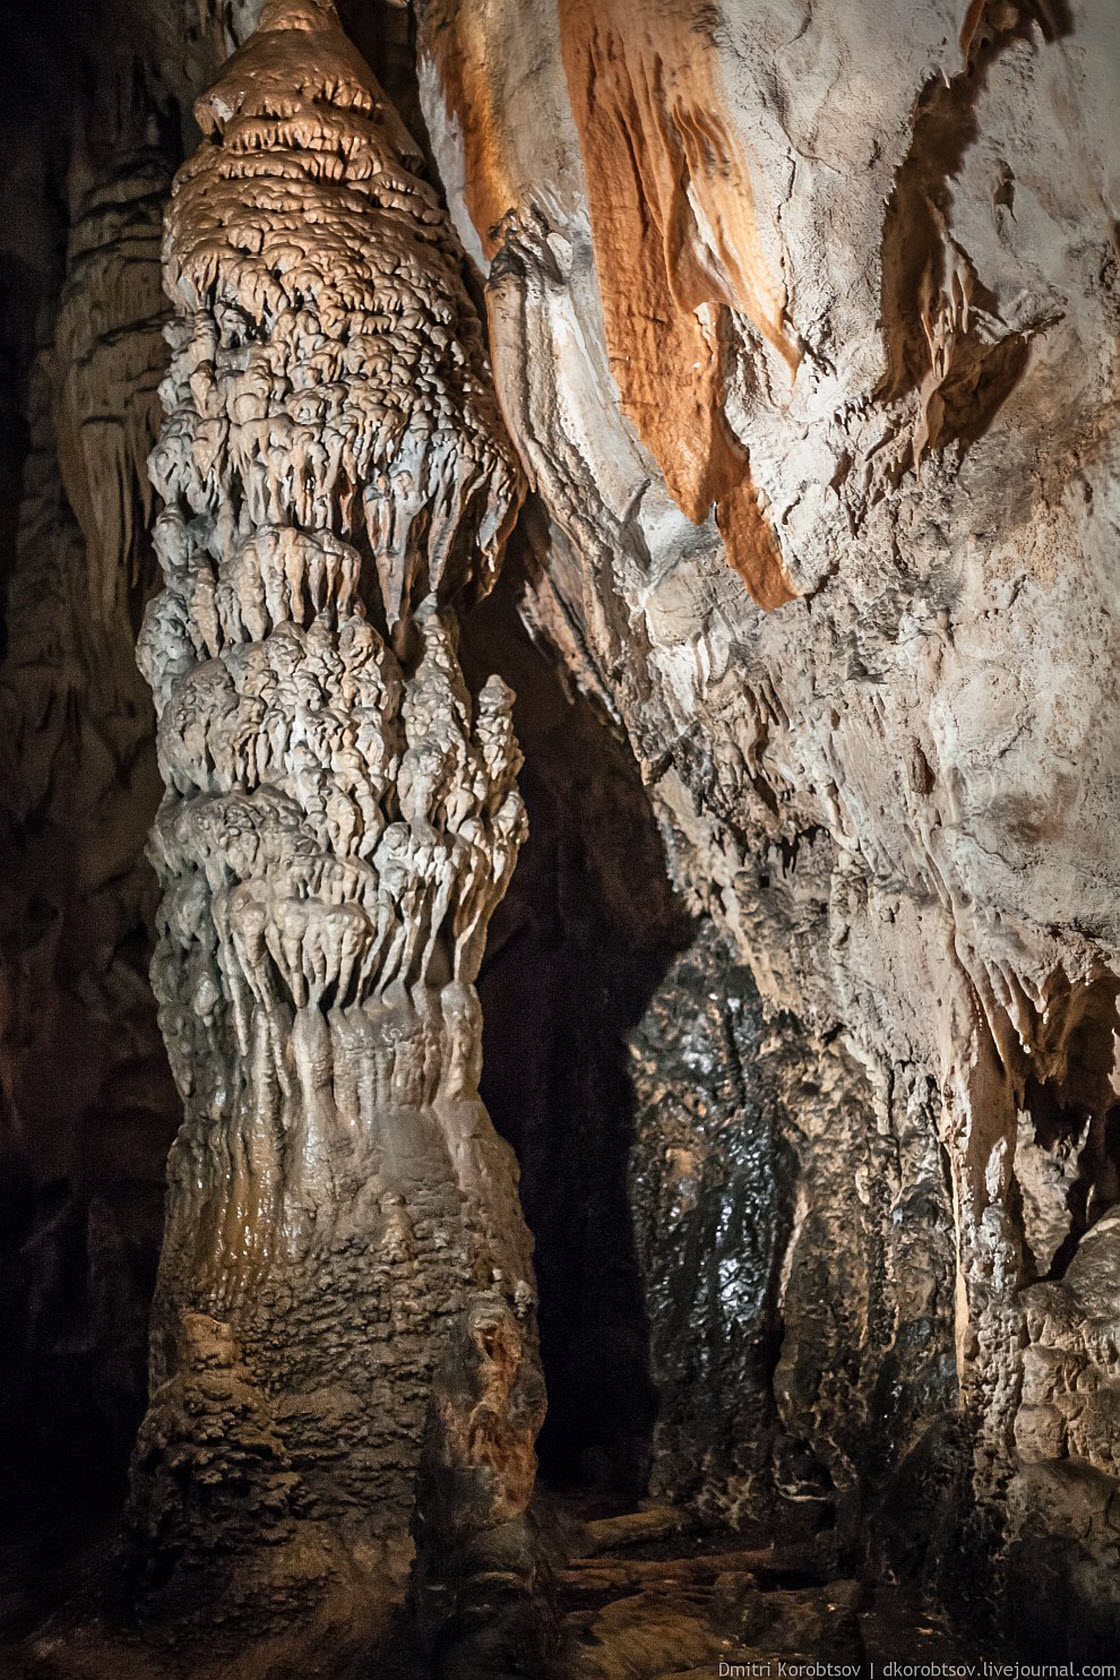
<point x="341" y="814"/>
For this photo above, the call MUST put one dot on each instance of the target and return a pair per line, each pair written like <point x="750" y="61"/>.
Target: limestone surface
<point x="848" y="278"/>
<point x="341" y="812"/>
<point x="802" y="319"/>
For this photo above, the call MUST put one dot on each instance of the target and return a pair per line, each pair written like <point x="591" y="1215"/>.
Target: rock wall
<point x="87" y="1108"/>
<point x="794" y="1230"/>
<point x="802" y="320"/>
<point x="856" y="276"/>
<point x="576" y="948"/>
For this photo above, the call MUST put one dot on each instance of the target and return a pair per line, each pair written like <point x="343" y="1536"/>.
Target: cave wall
<point x="794" y="1226"/>
<point x="88" y="1108"/>
<point x="803" y="321"/>
<point x="576" y="948"/>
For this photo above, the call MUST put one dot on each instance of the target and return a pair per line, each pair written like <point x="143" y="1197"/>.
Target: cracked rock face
<point x="857" y="276"/>
<point x="341" y="814"/>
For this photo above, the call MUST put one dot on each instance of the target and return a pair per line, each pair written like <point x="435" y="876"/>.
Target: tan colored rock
<point x="342" y="812"/>
<point x="894" y="791"/>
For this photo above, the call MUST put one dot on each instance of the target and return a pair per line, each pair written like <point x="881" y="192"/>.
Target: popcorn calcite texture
<point x="341" y="812"/>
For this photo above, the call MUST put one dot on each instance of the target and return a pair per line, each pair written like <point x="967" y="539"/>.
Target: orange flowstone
<point x="673" y="224"/>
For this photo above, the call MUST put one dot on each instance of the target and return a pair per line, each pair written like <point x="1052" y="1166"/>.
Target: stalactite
<point x="341" y="812"/>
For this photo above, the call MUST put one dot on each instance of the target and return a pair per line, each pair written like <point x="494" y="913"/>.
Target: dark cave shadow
<point x="576" y="949"/>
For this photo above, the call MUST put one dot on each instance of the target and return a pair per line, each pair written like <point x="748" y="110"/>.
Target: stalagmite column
<point x="341" y="814"/>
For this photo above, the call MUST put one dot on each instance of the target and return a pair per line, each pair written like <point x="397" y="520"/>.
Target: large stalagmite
<point x="341" y="813"/>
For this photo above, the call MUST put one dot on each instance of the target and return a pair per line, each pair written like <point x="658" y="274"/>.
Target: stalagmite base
<point x="479" y="1593"/>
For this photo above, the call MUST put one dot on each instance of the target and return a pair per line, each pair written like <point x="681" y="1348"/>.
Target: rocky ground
<point x="641" y="1595"/>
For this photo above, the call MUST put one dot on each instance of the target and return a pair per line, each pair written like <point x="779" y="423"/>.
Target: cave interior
<point x="559" y="950"/>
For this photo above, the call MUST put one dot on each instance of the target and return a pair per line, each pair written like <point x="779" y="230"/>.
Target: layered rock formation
<point x="839" y="243"/>
<point x="341" y="814"/>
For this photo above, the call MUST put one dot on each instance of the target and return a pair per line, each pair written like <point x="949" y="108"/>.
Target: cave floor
<point x="646" y="1605"/>
<point x="643" y="1595"/>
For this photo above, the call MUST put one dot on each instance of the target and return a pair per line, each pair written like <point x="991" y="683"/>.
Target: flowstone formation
<point x="877" y="262"/>
<point x="341" y="812"/>
<point x="803" y="318"/>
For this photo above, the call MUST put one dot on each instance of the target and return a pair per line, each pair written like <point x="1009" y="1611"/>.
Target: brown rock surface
<point x="895" y="792"/>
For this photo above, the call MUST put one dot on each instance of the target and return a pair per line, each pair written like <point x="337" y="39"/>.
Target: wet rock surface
<point x="797" y="1353"/>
